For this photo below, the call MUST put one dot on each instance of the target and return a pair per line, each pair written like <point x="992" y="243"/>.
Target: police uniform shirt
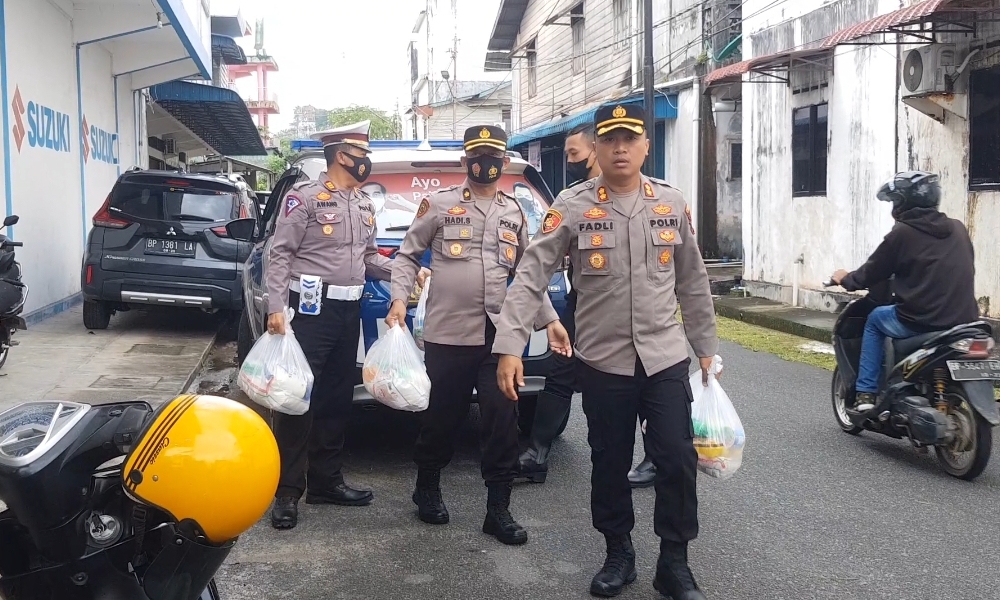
<point x="326" y="232"/>
<point x="473" y="254"/>
<point x="632" y="265"/>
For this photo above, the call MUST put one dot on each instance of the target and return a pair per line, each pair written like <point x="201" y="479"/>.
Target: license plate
<point x="971" y="370"/>
<point x="170" y="247"/>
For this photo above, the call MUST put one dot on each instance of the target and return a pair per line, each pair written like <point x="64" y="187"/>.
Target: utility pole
<point x="647" y="85"/>
<point x="454" y="82"/>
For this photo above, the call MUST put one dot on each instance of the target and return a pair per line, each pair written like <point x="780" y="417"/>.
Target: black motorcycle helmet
<point x="911" y="189"/>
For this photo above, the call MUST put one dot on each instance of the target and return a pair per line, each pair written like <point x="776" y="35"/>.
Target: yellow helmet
<point x="207" y="459"/>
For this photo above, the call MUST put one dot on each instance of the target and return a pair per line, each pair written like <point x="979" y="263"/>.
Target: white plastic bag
<point x="718" y="431"/>
<point x="276" y="374"/>
<point x="418" y="317"/>
<point x="394" y="374"/>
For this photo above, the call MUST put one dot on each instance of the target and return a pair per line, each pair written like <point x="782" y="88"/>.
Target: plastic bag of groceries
<point x="718" y="431"/>
<point x="276" y="374"/>
<point x="418" y="317"/>
<point x="394" y="374"/>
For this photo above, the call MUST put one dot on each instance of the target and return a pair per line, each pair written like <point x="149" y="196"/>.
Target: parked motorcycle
<point x="13" y="292"/>
<point x="124" y="502"/>
<point x="936" y="389"/>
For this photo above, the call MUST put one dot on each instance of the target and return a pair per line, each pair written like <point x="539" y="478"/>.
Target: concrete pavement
<point x="813" y="514"/>
<point x="143" y="355"/>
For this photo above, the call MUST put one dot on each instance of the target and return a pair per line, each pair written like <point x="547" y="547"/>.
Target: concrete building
<point x="567" y="57"/>
<point x="474" y="103"/>
<point x="74" y="117"/>
<point x="445" y="59"/>
<point x="835" y="97"/>
<point x="263" y="102"/>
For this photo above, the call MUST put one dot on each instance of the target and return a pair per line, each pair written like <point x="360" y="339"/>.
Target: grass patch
<point x="782" y="345"/>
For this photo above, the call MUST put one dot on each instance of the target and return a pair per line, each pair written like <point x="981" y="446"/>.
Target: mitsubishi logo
<point x="171" y="231"/>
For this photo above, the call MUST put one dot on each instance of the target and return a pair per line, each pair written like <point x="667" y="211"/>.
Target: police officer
<point x="553" y="404"/>
<point x="632" y="241"/>
<point x="476" y="234"/>
<point x="324" y="243"/>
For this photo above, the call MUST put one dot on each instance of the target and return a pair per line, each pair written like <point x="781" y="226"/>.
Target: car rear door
<point x="255" y="271"/>
<point x="170" y="226"/>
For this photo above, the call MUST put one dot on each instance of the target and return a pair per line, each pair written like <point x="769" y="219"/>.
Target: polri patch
<point x="553" y="218"/>
<point x="291" y="203"/>
<point x="423" y="208"/>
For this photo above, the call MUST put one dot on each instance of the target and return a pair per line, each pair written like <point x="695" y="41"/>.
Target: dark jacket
<point x="932" y="259"/>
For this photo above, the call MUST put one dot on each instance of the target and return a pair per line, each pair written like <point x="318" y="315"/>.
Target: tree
<point x="383" y="127"/>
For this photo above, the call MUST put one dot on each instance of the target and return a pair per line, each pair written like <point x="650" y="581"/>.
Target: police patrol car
<point x="402" y="173"/>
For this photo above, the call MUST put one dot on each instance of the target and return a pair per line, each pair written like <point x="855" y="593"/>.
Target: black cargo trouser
<point x="611" y="403"/>
<point x="454" y="371"/>
<point x="311" y="444"/>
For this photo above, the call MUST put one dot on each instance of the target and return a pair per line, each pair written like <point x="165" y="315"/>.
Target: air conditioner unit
<point x="930" y="69"/>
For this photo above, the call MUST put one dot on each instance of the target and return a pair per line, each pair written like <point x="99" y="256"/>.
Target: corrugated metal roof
<point x="884" y="23"/>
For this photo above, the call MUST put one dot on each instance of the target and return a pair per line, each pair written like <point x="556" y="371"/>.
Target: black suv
<point x="160" y="239"/>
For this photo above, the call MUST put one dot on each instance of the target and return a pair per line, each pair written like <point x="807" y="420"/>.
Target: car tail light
<point x="178" y="182"/>
<point x="220" y="231"/>
<point x="104" y="218"/>
<point x="90" y="274"/>
<point x="974" y="348"/>
<point x="386" y="251"/>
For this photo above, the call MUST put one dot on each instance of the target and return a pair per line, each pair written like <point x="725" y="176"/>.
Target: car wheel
<point x="96" y="314"/>
<point x="244" y="339"/>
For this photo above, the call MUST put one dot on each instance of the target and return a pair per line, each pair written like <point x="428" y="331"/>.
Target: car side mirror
<point x="10" y="220"/>
<point x="242" y="229"/>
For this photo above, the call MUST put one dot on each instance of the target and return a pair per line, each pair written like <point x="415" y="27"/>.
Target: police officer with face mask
<point x="476" y="234"/>
<point x="323" y="247"/>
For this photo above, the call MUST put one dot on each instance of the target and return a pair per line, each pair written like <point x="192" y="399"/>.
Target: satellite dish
<point x="913" y="70"/>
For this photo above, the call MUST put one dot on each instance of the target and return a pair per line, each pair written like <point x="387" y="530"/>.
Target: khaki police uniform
<point x="633" y="265"/>
<point x="327" y="232"/>
<point x="473" y="255"/>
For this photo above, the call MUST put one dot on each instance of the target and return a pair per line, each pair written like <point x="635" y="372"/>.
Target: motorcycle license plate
<point x="972" y="370"/>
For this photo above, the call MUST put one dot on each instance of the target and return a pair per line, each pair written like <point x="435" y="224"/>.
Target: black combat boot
<point x="619" y="567"/>
<point x="285" y="513"/>
<point x="673" y="576"/>
<point x="643" y="475"/>
<point x="427" y="497"/>
<point x="498" y="522"/>
<point x="551" y="411"/>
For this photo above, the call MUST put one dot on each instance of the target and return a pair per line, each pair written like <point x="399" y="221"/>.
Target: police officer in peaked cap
<point x="633" y="244"/>
<point x="476" y="234"/>
<point x="323" y="247"/>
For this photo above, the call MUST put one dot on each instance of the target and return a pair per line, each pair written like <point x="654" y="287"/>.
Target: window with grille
<point x="809" y="137"/>
<point x="579" y="35"/>
<point x="623" y="23"/>
<point x="532" y="56"/>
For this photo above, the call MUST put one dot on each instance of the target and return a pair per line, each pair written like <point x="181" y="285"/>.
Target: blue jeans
<point x="883" y="322"/>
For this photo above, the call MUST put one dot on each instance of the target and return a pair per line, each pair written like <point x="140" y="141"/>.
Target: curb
<point x="776" y="324"/>
<point x="201" y="362"/>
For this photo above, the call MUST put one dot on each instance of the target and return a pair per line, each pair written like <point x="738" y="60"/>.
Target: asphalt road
<point x="813" y="513"/>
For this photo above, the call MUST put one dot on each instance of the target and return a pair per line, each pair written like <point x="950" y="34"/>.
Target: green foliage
<point x="384" y="126"/>
<point x="277" y="164"/>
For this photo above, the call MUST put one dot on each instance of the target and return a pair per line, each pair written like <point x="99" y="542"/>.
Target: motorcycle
<point x="124" y="502"/>
<point x="935" y="389"/>
<point x="13" y="292"/>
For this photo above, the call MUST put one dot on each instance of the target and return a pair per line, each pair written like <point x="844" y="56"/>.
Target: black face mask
<point x="362" y="168"/>
<point x="578" y="170"/>
<point x="484" y="169"/>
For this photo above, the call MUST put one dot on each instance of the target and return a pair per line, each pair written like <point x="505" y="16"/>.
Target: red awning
<point x="910" y="15"/>
<point x="729" y="71"/>
<point x="776" y="61"/>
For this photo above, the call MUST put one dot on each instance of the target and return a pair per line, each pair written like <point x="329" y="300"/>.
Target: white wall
<point x="54" y="198"/>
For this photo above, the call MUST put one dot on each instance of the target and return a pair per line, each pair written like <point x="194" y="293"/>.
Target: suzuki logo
<point x="18" y="105"/>
<point x="171" y="231"/>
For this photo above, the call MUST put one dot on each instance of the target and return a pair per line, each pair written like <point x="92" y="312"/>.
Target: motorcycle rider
<point x="932" y="261"/>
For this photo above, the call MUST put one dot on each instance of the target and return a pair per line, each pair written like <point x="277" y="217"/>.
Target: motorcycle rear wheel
<point x="838" y="396"/>
<point x="972" y="427"/>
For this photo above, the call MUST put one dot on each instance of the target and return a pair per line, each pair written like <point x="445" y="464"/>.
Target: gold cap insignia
<point x="484" y="133"/>
<point x="618" y="112"/>
<point x="597" y="260"/>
